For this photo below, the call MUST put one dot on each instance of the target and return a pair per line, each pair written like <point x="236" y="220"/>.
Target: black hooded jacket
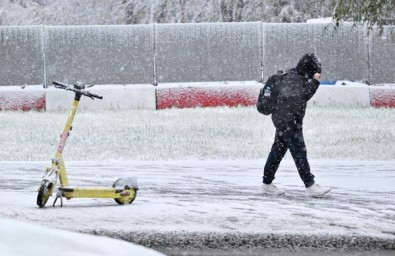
<point x="292" y="93"/>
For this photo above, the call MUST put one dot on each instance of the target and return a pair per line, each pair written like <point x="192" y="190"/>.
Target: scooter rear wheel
<point x="44" y="192"/>
<point x="128" y="199"/>
<point x="128" y="184"/>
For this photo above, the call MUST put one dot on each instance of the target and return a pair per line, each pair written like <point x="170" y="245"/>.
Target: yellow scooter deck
<point x="95" y="192"/>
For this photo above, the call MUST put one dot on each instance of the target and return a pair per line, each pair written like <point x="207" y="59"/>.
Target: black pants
<point x="294" y="141"/>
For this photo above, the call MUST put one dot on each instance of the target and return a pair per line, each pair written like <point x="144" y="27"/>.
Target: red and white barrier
<point x="206" y="97"/>
<point x="344" y="93"/>
<point x="17" y="99"/>
<point x="115" y="97"/>
<point x="119" y="97"/>
<point x="382" y="97"/>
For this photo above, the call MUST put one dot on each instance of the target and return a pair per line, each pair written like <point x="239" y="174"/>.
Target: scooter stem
<point x="67" y="129"/>
<point x="58" y="159"/>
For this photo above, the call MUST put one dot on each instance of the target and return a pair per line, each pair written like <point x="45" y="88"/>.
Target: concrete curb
<point x="122" y="97"/>
<point x="240" y="240"/>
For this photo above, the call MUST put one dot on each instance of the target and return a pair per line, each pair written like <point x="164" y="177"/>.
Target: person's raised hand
<point x="317" y="76"/>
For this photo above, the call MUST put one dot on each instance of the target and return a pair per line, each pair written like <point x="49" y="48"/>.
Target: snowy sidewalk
<point x="217" y="203"/>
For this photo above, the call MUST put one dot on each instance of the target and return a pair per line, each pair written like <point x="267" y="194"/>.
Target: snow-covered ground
<point x="20" y="238"/>
<point x="199" y="173"/>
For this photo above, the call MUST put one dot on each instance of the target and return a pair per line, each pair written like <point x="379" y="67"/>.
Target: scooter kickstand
<point x="58" y="195"/>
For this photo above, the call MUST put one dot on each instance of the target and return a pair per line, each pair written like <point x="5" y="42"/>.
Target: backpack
<point x="266" y="100"/>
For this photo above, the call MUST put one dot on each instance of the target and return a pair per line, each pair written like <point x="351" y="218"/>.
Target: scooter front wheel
<point x="44" y="192"/>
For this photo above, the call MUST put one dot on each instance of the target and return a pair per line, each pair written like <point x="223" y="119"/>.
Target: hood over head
<point x="309" y="64"/>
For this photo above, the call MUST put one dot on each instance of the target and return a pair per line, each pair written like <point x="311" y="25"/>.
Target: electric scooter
<point x="123" y="191"/>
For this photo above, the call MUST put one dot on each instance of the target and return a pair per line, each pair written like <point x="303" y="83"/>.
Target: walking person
<point x="289" y="93"/>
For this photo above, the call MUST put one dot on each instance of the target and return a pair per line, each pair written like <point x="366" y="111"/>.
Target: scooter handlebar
<point x="60" y="85"/>
<point x="75" y="89"/>
<point x="91" y="95"/>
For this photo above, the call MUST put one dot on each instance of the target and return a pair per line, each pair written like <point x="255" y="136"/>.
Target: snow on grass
<point x="201" y="133"/>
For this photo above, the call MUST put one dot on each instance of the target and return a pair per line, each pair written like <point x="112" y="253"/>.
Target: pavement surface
<point x="199" y="206"/>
